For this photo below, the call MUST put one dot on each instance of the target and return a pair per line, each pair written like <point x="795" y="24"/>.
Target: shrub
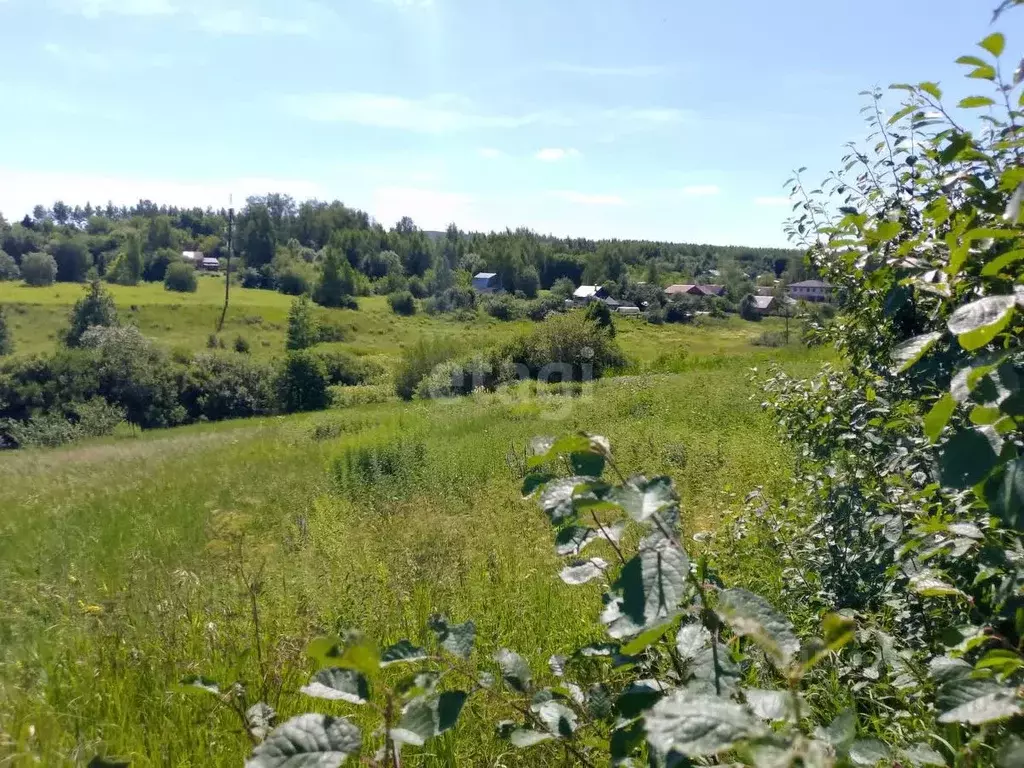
<point x="655" y="316"/>
<point x="402" y="303"/>
<point x="219" y="386"/>
<point x="9" y="269"/>
<point x="418" y="361"/>
<point x="748" y="309"/>
<point x="563" y="288"/>
<point x="503" y="306"/>
<point x="302" y="382"/>
<point x="337" y="284"/>
<point x="38" y="269"/>
<point x="6" y="342"/>
<point x="95" y="309"/>
<point x="241" y="345"/>
<point x="770" y="339"/>
<point x="329" y="332"/>
<point x="295" y="280"/>
<point x="539" y="309"/>
<point x="597" y="312"/>
<point x="181" y="277"/>
<point x="342" y="368"/>
<point x="72" y="258"/>
<point x="156" y="267"/>
<point x="451" y="300"/>
<point x="387" y="464"/>
<point x="563" y="348"/>
<point x="302" y="326"/>
<point x="418" y="288"/>
<point x="682" y="309"/>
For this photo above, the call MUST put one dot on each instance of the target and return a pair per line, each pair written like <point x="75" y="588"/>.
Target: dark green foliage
<point x="294" y="280"/>
<point x="74" y="422"/>
<point x="9" y="269"/>
<point x="563" y="288"/>
<point x="220" y="386"/>
<point x="418" y="288"/>
<point x="6" y="339"/>
<point x="72" y="258"/>
<point x="598" y="313"/>
<point x="257" y="236"/>
<point x="402" y="303"/>
<point x="181" y="277"/>
<point x="418" y="360"/>
<point x="682" y="309"/>
<point x="539" y="309"/>
<point x="38" y="269"/>
<point x="302" y="382"/>
<point x="386" y="466"/>
<point x="158" y="263"/>
<point x="337" y="284"/>
<point x="748" y="309"/>
<point x="241" y="345"/>
<point x="96" y="308"/>
<point x="342" y="368"/>
<point x="452" y="300"/>
<point x="302" y="326"/>
<point x="504" y="306"/>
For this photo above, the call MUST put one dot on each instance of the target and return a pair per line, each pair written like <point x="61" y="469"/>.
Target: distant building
<point x="686" y="289"/>
<point x="486" y="282"/>
<point x="628" y="309"/>
<point x="810" y="290"/>
<point x="210" y="264"/>
<point x="192" y="257"/>
<point x="588" y="293"/>
<point x="765" y="305"/>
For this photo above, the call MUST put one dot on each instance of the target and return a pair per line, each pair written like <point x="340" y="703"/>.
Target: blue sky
<point x="672" y="120"/>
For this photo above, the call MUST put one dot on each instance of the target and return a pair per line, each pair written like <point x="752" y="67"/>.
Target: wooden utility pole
<point x="227" y="273"/>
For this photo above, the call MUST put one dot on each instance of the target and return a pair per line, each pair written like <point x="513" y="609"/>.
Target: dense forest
<point x="285" y="245"/>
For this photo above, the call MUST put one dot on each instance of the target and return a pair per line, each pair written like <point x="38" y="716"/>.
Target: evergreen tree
<point x="6" y="342"/>
<point x="302" y="327"/>
<point x="337" y="281"/>
<point x="95" y="308"/>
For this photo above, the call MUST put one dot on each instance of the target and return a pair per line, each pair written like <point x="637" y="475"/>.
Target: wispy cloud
<point x="554" y="154"/>
<point x="448" y="113"/>
<point x="490" y="153"/>
<point x="437" y="114"/>
<point x="429" y="208"/>
<point x="218" y="17"/>
<point x="583" y="198"/>
<point x="637" y="70"/>
<point x="772" y="201"/>
<point x="701" y="190"/>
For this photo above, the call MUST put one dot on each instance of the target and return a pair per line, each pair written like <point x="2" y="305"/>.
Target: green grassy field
<point x="120" y="559"/>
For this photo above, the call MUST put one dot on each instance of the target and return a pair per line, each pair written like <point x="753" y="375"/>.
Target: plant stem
<point x="608" y="538"/>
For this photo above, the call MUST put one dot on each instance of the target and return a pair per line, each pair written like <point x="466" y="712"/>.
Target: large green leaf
<point x="1005" y="494"/>
<point x="999" y="263"/>
<point x="991" y="707"/>
<point x="994" y="43"/>
<point x="973" y="102"/>
<point x="966" y="459"/>
<point x="402" y="651"/>
<point x="514" y="669"/>
<point x="557" y="718"/>
<point x="977" y="323"/>
<point x="938" y="417"/>
<point x="922" y="754"/>
<point x="260" y="719"/>
<point x="572" y="539"/>
<point x="772" y="706"/>
<point x="337" y="684"/>
<point x="557" y="496"/>
<point x="752" y="616"/>
<point x="524" y="737"/>
<point x="582" y="571"/>
<point x="867" y="753"/>
<point x="457" y="639"/>
<point x="698" y="725"/>
<point x="425" y="717"/>
<point x="308" y="741"/>
<point x="691" y="639"/>
<point x="1011" y="754"/>
<point x="727" y="673"/>
<point x="641" y="498"/>
<point x="647" y="637"/>
<point x="640" y="695"/>
<point x="653" y="582"/>
<point x="912" y="350"/>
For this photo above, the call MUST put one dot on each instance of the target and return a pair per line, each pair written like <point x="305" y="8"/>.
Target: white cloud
<point x="582" y="198"/>
<point x="449" y="113"/>
<point x="429" y="208"/>
<point x="770" y="201"/>
<point x="490" y="153"/>
<point x="554" y="154"/>
<point x="701" y="190"/>
<point x="437" y="114"/>
<point x="638" y="70"/>
<point x="20" y="190"/>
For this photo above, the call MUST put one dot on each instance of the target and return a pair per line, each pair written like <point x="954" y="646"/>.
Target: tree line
<point x="286" y="245"/>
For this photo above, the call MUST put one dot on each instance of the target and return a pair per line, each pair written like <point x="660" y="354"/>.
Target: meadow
<point x="131" y="562"/>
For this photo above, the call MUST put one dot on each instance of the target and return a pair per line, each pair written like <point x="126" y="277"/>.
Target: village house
<point x="486" y="282"/>
<point x="210" y="264"/>
<point x="810" y="290"/>
<point x="588" y="293"/>
<point x="686" y="289"/>
<point x="192" y="257"/>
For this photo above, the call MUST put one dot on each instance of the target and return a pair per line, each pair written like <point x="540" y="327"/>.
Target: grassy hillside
<point x="120" y="561"/>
